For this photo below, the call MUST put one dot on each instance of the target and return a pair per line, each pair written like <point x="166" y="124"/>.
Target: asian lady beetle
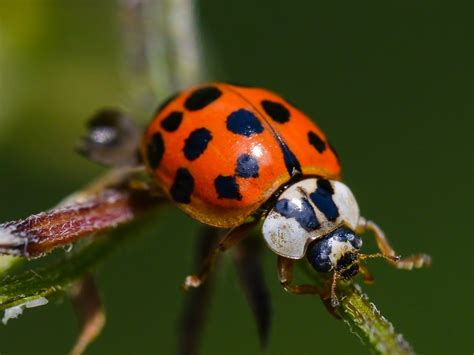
<point x="220" y="151"/>
<point x="233" y="156"/>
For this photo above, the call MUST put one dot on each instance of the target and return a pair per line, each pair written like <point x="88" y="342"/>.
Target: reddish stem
<point x="61" y="226"/>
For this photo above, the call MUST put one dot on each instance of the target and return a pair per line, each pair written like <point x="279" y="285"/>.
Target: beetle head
<point x="338" y="251"/>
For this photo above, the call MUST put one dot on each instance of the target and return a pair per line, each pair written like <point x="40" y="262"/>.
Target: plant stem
<point x="162" y="47"/>
<point x="366" y="321"/>
<point x="58" y="275"/>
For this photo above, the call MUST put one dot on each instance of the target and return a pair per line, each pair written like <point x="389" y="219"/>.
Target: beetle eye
<point x="318" y="255"/>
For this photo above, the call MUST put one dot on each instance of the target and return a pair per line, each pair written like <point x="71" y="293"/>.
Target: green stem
<point x="361" y="315"/>
<point x="162" y="47"/>
<point x="184" y="47"/>
<point x="366" y="321"/>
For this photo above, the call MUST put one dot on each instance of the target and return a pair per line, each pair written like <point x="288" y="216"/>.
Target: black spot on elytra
<point x="247" y="166"/>
<point x="202" y="97"/>
<point x="227" y="187"/>
<point x="276" y="111"/>
<point x="316" y="142"/>
<point x="303" y="213"/>
<point x="171" y="122"/>
<point x="244" y="123"/>
<point x="183" y="186"/>
<point x="322" y="198"/>
<point x="335" y="152"/>
<point x="196" y="143"/>
<point x="155" y="150"/>
<point x="166" y="103"/>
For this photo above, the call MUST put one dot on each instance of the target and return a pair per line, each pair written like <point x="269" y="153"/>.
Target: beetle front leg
<point x="233" y="237"/>
<point x="327" y="294"/>
<point x="285" y="268"/>
<point x="408" y="263"/>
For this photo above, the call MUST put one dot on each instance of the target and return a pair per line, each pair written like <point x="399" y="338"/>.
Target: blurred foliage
<point x="58" y="273"/>
<point x="389" y="82"/>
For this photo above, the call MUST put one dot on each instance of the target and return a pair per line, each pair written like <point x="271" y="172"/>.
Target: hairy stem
<point x="366" y="321"/>
<point x="58" y="274"/>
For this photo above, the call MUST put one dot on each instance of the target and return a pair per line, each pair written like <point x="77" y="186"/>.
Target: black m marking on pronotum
<point x="303" y="213"/>
<point x="322" y="198"/>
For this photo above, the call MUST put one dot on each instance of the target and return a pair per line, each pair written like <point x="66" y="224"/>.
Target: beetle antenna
<point x="391" y="258"/>
<point x="334" y="300"/>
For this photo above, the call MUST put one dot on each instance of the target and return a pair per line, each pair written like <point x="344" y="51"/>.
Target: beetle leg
<point x="233" y="237"/>
<point x="86" y="301"/>
<point x="285" y="275"/>
<point x="328" y="297"/>
<point x="408" y="263"/>
<point x="196" y="304"/>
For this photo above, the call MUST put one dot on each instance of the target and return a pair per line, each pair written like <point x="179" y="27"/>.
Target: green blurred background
<point x="390" y="82"/>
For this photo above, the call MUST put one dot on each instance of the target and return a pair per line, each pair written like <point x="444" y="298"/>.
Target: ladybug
<point x="242" y="157"/>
